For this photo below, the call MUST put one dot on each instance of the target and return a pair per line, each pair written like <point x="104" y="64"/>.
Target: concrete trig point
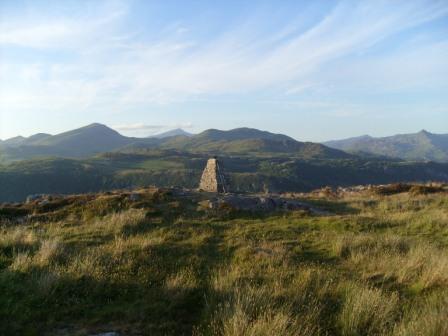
<point x="213" y="179"/>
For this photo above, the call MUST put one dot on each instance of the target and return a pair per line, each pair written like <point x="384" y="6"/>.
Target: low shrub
<point x="391" y="189"/>
<point x="425" y="189"/>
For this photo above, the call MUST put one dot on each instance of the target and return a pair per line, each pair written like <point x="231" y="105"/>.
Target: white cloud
<point x="140" y="129"/>
<point x="56" y="32"/>
<point x="412" y="68"/>
<point x="146" y="127"/>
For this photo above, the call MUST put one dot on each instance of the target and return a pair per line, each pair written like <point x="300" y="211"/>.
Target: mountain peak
<point x="96" y="128"/>
<point x="96" y="125"/>
<point x="425" y="132"/>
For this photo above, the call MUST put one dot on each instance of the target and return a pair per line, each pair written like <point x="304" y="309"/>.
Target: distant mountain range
<point x="97" y="138"/>
<point x="421" y="146"/>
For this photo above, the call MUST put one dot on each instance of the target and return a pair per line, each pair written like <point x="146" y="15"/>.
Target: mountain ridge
<point x="420" y="146"/>
<point x="98" y="138"/>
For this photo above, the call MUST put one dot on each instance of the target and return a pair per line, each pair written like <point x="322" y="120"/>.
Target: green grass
<point x="377" y="266"/>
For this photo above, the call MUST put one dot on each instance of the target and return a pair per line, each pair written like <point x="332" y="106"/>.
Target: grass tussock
<point x="22" y="262"/>
<point x="367" y="311"/>
<point x="253" y="311"/>
<point x="48" y="252"/>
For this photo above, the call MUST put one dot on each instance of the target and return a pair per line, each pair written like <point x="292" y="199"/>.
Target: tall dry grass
<point x="22" y="262"/>
<point x="17" y="238"/>
<point x="394" y="258"/>
<point x="427" y="318"/>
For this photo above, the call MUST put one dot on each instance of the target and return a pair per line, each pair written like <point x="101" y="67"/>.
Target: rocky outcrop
<point x="258" y="203"/>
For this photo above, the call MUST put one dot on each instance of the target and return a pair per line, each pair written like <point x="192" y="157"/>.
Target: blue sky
<point x="315" y="70"/>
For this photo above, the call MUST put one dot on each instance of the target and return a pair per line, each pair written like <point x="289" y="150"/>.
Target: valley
<point x="96" y="158"/>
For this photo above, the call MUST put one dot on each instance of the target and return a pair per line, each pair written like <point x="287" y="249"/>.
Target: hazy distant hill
<point x="20" y="140"/>
<point x="421" y="146"/>
<point x="81" y="142"/>
<point x="171" y="133"/>
<point x="93" y="138"/>
<point x="14" y="141"/>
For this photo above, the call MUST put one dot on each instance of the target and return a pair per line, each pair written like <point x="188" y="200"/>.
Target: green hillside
<point x="248" y="141"/>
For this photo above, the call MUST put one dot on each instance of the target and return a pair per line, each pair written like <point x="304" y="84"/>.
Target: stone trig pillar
<point x="213" y="179"/>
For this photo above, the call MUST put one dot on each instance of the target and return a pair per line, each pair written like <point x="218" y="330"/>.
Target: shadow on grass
<point x="80" y="240"/>
<point x="314" y="256"/>
<point x="94" y="305"/>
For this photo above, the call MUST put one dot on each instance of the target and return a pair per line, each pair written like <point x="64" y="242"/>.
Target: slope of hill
<point x="94" y="138"/>
<point x="421" y="146"/>
<point x="36" y="138"/>
<point x="13" y="141"/>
